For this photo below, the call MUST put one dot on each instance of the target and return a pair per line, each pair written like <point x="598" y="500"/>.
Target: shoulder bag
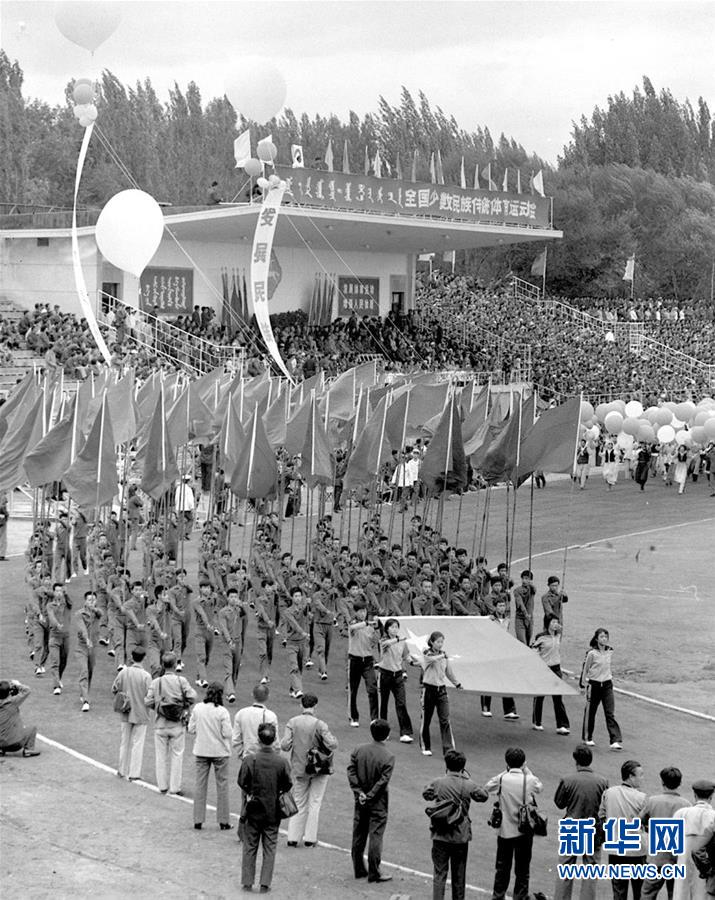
<point x="496" y="817"/>
<point x="447" y="814"/>
<point x="529" y="819"/>
<point x="171" y="711"/>
<point x="318" y="759"/>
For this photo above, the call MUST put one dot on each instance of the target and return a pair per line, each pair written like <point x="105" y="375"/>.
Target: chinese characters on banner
<point x="358" y="295"/>
<point x="260" y="266"/>
<point x="363" y="193"/>
<point x="171" y="291"/>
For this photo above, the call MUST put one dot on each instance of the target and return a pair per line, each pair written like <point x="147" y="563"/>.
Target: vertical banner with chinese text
<point x="260" y="267"/>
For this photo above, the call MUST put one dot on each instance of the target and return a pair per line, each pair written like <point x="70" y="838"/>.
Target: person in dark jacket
<point x="450" y="846"/>
<point x="263" y="777"/>
<point x="369" y="773"/>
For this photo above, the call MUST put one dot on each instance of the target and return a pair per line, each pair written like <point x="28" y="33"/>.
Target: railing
<point x="525" y="290"/>
<point x="195" y="354"/>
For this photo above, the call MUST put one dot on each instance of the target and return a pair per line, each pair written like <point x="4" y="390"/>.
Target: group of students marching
<point x="304" y="607"/>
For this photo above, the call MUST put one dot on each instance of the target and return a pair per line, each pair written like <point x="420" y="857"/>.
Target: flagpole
<point x="543" y="275"/>
<point x="633" y="276"/>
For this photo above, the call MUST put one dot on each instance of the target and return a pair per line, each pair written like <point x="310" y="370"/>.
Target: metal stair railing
<point x="525" y="290"/>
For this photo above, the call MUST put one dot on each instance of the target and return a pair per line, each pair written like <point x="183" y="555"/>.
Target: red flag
<point x="92" y="477"/>
<point x="160" y="469"/>
<point x="232" y="440"/>
<point x="502" y="456"/>
<point x="550" y="443"/>
<point x="23" y="396"/>
<point x="370" y="450"/>
<point x="444" y="467"/>
<point x="297" y="428"/>
<point x="54" y="454"/>
<point x="23" y="433"/>
<point x="256" y="474"/>
<point x="122" y="409"/>
<point x="316" y="458"/>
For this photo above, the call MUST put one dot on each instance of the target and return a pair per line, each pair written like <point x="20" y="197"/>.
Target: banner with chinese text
<point x="358" y="295"/>
<point x="364" y="193"/>
<point x="167" y="292"/>
<point x="261" y="255"/>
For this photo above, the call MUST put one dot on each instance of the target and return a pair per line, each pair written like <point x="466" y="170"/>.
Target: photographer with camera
<point x="13" y="734"/>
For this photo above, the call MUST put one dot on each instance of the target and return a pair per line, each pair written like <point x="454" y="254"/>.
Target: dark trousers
<point x="27" y="742"/>
<point x="600" y="693"/>
<point x="619" y="886"/>
<point x="394" y="683"/>
<point x="444" y="856"/>
<point x="369" y="822"/>
<point x="562" y="719"/>
<point x="508" y="704"/>
<point x="518" y="849"/>
<point x="434" y="699"/>
<point x="80" y="549"/>
<point x="362" y="667"/>
<point x="253" y="834"/>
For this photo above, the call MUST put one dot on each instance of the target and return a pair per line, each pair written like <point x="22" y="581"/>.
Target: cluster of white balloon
<point x="83" y="95"/>
<point x="686" y="423"/>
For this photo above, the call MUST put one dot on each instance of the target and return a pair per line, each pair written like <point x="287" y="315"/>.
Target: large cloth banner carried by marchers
<point x="364" y="193"/>
<point x="260" y="269"/>
<point x="484" y="657"/>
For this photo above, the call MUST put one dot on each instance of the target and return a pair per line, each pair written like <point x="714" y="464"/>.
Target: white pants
<point x="169" y="752"/>
<point x="308" y="791"/>
<point x="131" y="750"/>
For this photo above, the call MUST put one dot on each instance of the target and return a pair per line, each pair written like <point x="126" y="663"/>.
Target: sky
<point x="528" y="69"/>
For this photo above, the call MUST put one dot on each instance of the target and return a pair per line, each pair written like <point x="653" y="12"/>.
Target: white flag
<point x="242" y="148"/>
<point x="329" y="156"/>
<point x="462" y="176"/>
<point x="630" y="268"/>
<point x="505" y="181"/>
<point x="296" y="152"/>
<point x="537" y="183"/>
<point x="377" y="165"/>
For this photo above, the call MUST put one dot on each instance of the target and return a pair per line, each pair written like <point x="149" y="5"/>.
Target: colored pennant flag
<point x="398" y="168"/>
<point x="475" y="417"/>
<point x="316" y="459"/>
<point x="462" y="175"/>
<point x="256" y="474"/>
<point x="160" y="469"/>
<point x="275" y="419"/>
<point x="367" y="161"/>
<point x="296" y="152"/>
<point x="549" y="445"/>
<point x="242" y="148"/>
<point x="231" y="439"/>
<point x="538" y="267"/>
<point x="23" y="433"/>
<point x="630" y="268"/>
<point x="444" y="467"/>
<point x="432" y="169"/>
<point x="122" y="409"/>
<point x="440" y="170"/>
<point x="346" y="159"/>
<point x="487" y="176"/>
<point x="476" y="176"/>
<point x="502" y="456"/>
<point x="518" y="181"/>
<point x="537" y="183"/>
<point x="377" y="165"/>
<point x="297" y="428"/>
<point x="478" y="444"/>
<point x="370" y="451"/>
<point x="329" y="156"/>
<point x="92" y="478"/>
<point x="505" y="180"/>
<point x="55" y="452"/>
<point x="414" y="166"/>
<point x="23" y="396"/>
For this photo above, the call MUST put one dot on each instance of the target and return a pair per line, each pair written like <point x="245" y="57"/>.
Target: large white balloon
<point x="666" y="433"/>
<point x="129" y="230"/>
<point x="256" y="89"/>
<point x="634" y="409"/>
<point x="88" y="24"/>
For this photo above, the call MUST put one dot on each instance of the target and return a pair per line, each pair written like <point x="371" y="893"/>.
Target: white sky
<point x="525" y="68"/>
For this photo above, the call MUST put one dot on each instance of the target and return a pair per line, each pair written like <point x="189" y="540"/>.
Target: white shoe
<point x="354" y="723"/>
<point x="563" y="731"/>
<point x="264" y="680"/>
<point x="57" y="690"/>
<point x="537" y="727"/>
<point x="38" y="671"/>
<point x="323" y="676"/>
<point x="85" y="706"/>
<point x="406" y="739"/>
<point x="511" y="715"/>
<point x="426" y="753"/>
<point x="486" y="714"/>
<point x="231" y="698"/>
<point x="309" y="664"/>
<point x="590" y="743"/>
<point x="616" y="746"/>
<point x="179" y="667"/>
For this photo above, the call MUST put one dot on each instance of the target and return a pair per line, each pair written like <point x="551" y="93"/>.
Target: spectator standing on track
<point x="263" y="777"/>
<point x="512" y="845"/>
<point x="249" y="719"/>
<point x="369" y="772"/>
<point x="625" y="801"/>
<point x="170" y="695"/>
<point x="134" y="681"/>
<point x="303" y="733"/>
<point x="580" y="796"/>
<point x="211" y="724"/>
<point x="699" y="829"/>
<point x="662" y="806"/>
<point x="450" y="843"/>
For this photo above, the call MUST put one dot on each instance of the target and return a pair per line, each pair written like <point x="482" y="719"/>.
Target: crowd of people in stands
<point x="457" y="324"/>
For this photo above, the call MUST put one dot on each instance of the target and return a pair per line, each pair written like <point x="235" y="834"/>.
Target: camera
<point x="14" y="688"/>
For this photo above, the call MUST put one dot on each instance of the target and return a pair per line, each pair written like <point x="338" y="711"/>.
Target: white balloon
<point x="256" y="89"/>
<point x="624" y="441"/>
<point x="129" y="230"/>
<point x="88" y="24"/>
<point x="634" y="409"/>
<point x="263" y="183"/>
<point x="666" y="433"/>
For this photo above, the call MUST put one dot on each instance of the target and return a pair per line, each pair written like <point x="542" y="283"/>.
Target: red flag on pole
<point x="23" y="434"/>
<point x="256" y="474"/>
<point x="316" y="458"/>
<point x="160" y="469"/>
<point x="444" y="467"/>
<point x="92" y="478"/>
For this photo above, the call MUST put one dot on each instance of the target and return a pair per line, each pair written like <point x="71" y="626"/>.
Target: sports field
<point x="640" y="564"/>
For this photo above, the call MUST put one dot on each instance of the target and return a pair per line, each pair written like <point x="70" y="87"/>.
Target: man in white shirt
<point x="245" y="725"/>
<point x="699" y="829"/>
<point x="185" y="506"/>
<point x="625" y="801"/>
<point x="509" y="786"/>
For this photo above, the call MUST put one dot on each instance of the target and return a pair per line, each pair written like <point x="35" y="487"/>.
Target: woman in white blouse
<point x="211" y="724"/>
<point x="597" y="679"/>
